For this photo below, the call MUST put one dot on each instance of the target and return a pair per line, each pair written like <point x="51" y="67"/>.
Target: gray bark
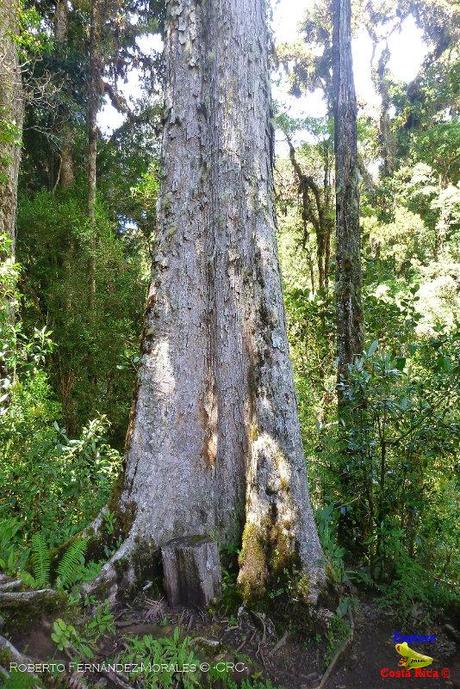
<point x="348" y="245"/>
<point x="11" y="118"/>
<point x="61" y="22"/>
<point x="214" y="444"/>
<point x="11" y="122"/>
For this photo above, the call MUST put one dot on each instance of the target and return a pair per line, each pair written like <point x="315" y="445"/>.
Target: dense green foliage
<point x="91" y="343"/>
<point x="52" y="486"/>
<point x="387" y="472"/>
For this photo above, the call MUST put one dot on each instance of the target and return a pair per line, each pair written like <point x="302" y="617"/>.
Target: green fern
<point x="9" y="528"/>
<point x="71" y="566"/>
<point x="41" y="560"/>
<point x="21" y="680"/>
<point x="10" y="548"/>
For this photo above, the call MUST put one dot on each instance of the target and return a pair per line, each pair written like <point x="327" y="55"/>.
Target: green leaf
<point x="373" y="348"/>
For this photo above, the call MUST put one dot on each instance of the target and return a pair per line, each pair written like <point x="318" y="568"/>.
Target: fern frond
<point x="71" y="566"/>
<point x="41" y="560"/>
<point x="21" y="680"/>
<point x="9" y="528"/>
<point x="10" y="548"/>
<point x="28" y="579"/>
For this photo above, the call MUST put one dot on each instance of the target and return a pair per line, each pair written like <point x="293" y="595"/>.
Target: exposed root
<point x="76" y="682"/>
<point x="16" y="599"/>
<point x="7" y="584"/>
<point x="15" y="655"/>
<point x="280" y="643"/>
<point x="107" y="581"/>
<point x="96" y="525"/>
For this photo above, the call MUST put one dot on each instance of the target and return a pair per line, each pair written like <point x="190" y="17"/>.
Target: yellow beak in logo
<point x="411" y="659"/>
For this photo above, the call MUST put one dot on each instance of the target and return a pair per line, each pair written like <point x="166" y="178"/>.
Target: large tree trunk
<point x="214" y="444"/>
<point x="11" y="118"/>
<point x="348" y="246"/>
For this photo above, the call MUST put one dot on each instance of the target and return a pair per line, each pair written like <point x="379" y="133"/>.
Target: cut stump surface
<point x="192" y="573"/>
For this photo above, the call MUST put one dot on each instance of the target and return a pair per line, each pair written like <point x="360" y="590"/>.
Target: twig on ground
<point x="241" y="644"/>
<point x="338" y="654"/>
<point x="116" y="679"/>
<point x="281" y="642"/>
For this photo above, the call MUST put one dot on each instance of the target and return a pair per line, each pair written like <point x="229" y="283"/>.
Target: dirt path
<point x="290" y="663"/>
<point x="373" y="650"/>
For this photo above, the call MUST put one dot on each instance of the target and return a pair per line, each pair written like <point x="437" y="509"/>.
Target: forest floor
<point x="249" y="641"/>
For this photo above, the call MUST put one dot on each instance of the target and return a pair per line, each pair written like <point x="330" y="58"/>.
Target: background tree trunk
<point x="386" y="139"/>
<point x="94" y="97"/>
<point x="11" y="121"/>
<point x="348" y="249"/>
<point x="11" y="118"/>
<point x="66" y="168"/>
<point x="214" y="443"/>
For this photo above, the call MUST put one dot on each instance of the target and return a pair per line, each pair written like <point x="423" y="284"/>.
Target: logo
<point x="399" y="638"/>
<point x="413" y="664"/>
<point x="411" y="659"/>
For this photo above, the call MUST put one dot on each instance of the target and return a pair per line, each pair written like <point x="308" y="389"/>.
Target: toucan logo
<point x="411" y="659"/>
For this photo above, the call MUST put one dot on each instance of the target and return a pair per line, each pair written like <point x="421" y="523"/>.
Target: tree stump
<point x="192" y="573"/>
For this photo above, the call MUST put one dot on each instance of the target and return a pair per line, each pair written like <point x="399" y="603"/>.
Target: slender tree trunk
<point x="11" y="118"/>
<point x="387" y="143"/>
<point x="314" y="211"/>
<point x="11" y="121"/>
<point x="94" y="97"/>
<point x="214" y="443"/>
<point x="328" y="209"/>
<point x="380" y="80"/>
<point x="348" y="244"/>
<point x="66" y="168"/>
